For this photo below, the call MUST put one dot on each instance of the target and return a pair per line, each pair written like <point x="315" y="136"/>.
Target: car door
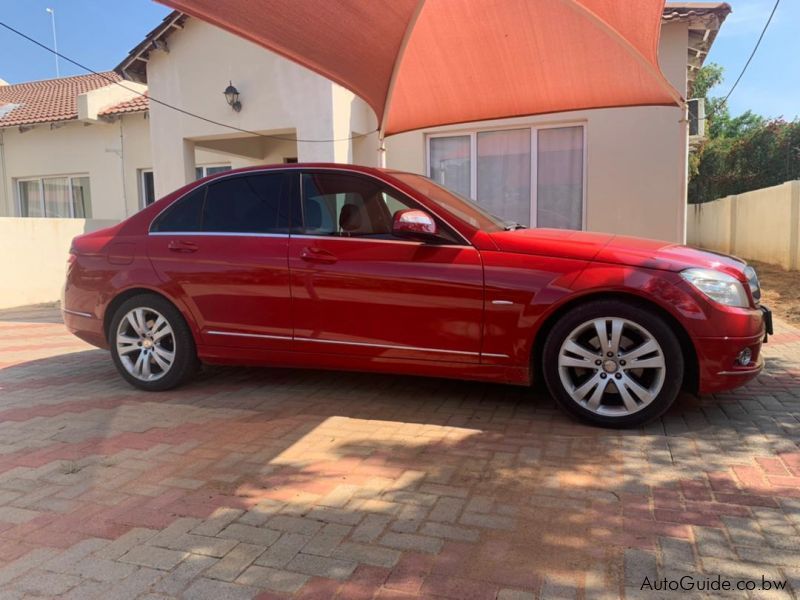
<point x="358" y="290"/>
<point x="223" y="248"/>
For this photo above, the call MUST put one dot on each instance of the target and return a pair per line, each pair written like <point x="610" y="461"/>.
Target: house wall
<point x="105" y="151"/>
<point x="111" y="153"/>
<point x="135" y="146"/>
<point x="278" y="97"/>
<point x="759" y="225"/>
<point x="636" y="157"/>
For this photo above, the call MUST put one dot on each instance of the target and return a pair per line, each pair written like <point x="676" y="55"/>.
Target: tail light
<point x="71" y="257"/>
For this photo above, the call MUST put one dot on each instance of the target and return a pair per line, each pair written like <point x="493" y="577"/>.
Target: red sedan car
<point x="347" y="267"/>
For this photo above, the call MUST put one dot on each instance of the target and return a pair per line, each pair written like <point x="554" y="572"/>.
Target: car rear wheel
<point x="613" y="363"/>
<point x="151" y="344"/>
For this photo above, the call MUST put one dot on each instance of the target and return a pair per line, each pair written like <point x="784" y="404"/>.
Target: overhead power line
<point x="749" y="59"/>
<point x="172" y="106"/>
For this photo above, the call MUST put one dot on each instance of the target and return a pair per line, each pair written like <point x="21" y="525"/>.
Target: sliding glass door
<point x="533" y="175"/>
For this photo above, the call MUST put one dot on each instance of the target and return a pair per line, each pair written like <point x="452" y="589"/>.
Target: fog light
<point x="744" y="357"/>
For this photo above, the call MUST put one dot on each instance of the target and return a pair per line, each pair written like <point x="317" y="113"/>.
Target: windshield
<point x="455" y="204"/>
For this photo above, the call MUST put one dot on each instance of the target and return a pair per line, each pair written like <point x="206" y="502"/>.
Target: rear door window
<point x="256" y="204"/>
<point x="184" y="215"/>
<point x="247" y="204"/>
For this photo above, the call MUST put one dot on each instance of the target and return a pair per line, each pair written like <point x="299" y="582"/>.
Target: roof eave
<point x="134" y="66"/>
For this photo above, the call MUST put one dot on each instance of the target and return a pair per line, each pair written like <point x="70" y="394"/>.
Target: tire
<point x="147" y="332"/>
<point x="645" y="364"/>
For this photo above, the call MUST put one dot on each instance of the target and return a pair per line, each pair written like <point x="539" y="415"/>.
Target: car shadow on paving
<point x="294" y="482"/>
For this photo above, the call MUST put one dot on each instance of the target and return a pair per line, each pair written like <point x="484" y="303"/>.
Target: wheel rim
<point x="145" y="344"/>
<point x="611" y="366"/>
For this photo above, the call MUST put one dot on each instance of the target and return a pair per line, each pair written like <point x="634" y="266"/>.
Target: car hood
<point x="616" y="249"/>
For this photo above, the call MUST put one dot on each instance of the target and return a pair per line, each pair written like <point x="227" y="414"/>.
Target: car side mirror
<point x="414" y="224"/>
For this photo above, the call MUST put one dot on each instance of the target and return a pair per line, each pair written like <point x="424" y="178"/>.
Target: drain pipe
<point x="7" y="208"/>
<point x="122" y="167"/>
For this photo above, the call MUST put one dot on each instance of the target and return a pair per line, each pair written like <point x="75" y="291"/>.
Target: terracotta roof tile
<point x="48" y="100"/>
<point x="135" y="104"/>
<point x="679" y="11"/>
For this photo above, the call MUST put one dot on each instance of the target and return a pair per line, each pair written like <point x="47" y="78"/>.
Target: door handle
<point x="317" y="255"/>
<point x="181" y="246"/>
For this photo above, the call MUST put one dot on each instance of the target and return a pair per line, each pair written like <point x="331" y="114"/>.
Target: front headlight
<point x="752" y="281"/>
<point x="718" y="286"/>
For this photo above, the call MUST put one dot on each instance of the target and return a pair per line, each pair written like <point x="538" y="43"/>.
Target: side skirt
<point x="222" y="355"/>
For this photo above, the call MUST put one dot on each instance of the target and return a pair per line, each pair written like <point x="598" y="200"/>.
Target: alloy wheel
<point x="145" y="343"/>
<point x="611" y="366"/>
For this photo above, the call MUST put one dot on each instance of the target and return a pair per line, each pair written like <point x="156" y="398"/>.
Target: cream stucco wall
<point x="36" y="257"/>
<point x="759" y="225"/>
<point x="635" y="160"/>
<point x="278" y="98"/>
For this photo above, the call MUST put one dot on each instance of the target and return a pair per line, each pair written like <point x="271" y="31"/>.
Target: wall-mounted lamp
<point x="232" y="96"/>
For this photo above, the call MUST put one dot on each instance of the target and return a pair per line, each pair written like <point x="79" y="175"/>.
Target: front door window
<point x="351" y="206"/>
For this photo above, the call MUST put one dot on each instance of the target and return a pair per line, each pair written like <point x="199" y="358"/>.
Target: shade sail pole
<point x="398" y="59"/>
<point x="628" y="47"/>
<point x="381" y="151"/>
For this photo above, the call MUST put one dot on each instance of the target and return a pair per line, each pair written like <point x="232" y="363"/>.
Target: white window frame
<point x="534" y="129"/>
<point x="211" y="166"/>
<point x="41" y="181"/>
<point x="143" y="188"/>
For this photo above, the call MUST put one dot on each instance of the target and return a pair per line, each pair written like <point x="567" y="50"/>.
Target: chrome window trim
<point x="310" y="236"/>
<point x="218" y="234"/>
<point x="78" y="313"/>
<point x="301" y="169"/>
<point x="360" y="344"/>
<point x="296" y="235"/>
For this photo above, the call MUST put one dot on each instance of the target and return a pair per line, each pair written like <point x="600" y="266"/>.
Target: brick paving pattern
<point x="266" y="483"/>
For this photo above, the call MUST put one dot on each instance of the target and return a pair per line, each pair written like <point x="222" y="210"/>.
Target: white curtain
<point x="450" y="163"/>
<point x="57" y="197"/>
<point x="559" y="190"/>
<point x="504" y="174"/>
<point x="30" y="196"/>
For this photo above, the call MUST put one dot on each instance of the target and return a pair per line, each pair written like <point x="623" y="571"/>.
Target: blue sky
<point x="99" y="33"/>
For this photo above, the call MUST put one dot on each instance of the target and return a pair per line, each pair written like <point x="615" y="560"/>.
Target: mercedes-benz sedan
<point x="347" y="267"/>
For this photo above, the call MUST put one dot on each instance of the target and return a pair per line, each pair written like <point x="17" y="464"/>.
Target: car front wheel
<point x="613" y="363"/>
<point x="151" y="344"/>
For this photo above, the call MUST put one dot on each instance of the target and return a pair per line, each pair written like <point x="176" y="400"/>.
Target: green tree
<point x="740" y="153"/>
<point x="720" y="123"/>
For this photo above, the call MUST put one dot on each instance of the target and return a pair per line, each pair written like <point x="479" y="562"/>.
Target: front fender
<point x="548" y="286"/>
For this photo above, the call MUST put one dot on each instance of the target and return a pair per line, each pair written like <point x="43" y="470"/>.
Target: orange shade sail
<point x="422" y="63"/>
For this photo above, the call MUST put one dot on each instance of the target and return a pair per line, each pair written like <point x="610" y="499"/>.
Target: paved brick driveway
<point x="268" y="483"/>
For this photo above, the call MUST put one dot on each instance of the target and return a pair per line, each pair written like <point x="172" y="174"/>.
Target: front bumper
<point x="719" y="369"/>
